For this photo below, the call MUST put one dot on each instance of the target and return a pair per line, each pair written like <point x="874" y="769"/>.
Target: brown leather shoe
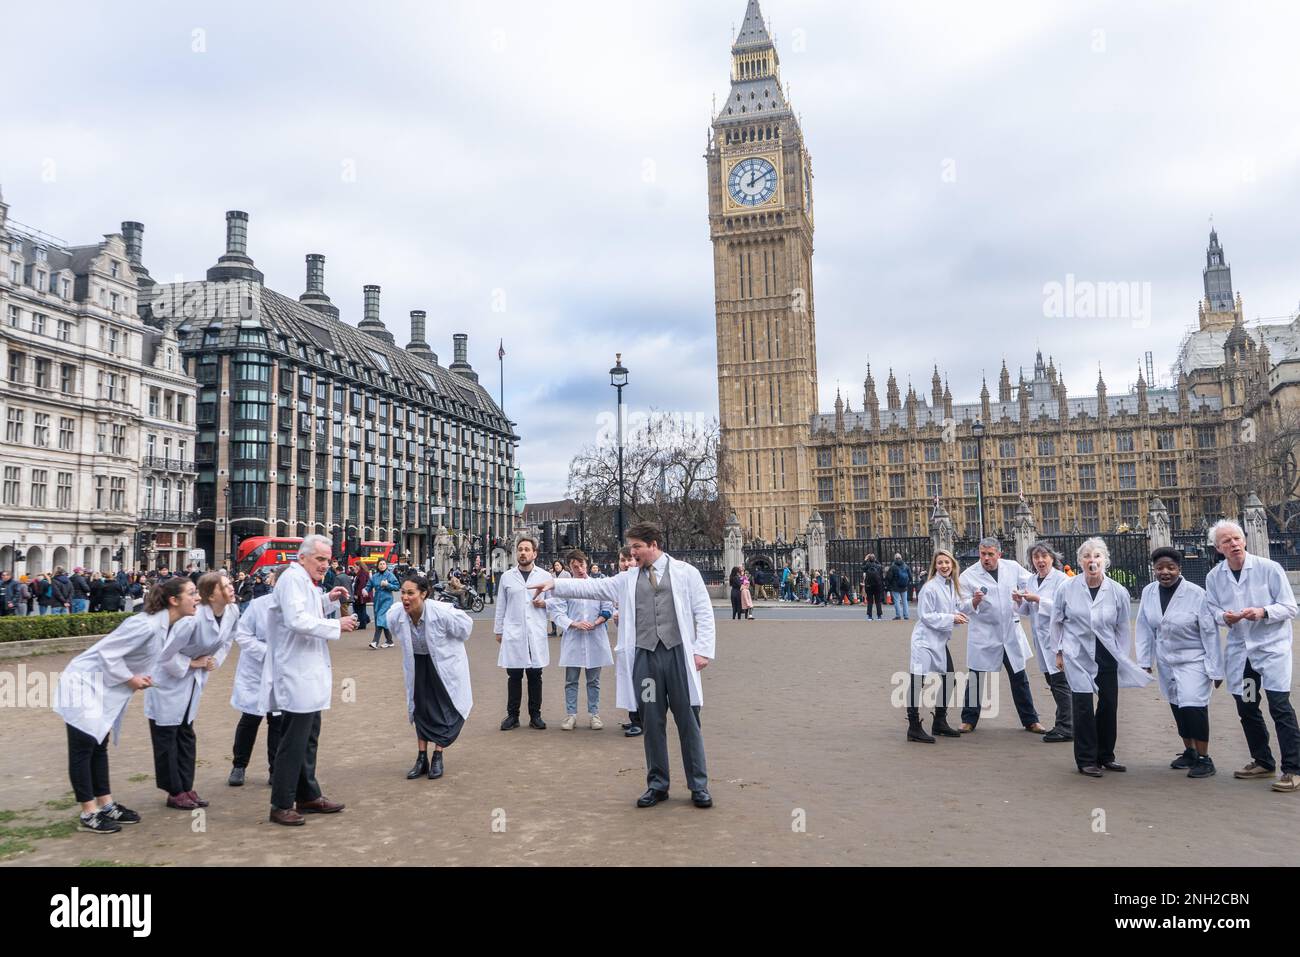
<point x="966" y="728"/>
<point x="1091" y="770"/>
<point x="1035" y="728"/>
<point x="322" y="805"/>
<point x="288" y="816"/>
<point x="181" y="801"/>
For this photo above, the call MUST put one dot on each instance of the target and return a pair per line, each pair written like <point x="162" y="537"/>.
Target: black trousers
<point x="1193" y="723"/>
<point x="515" y="690"/>
<point x="246" y="737"/>
<point x="1021" y="696"/>
<point x="1284" y="720"/>
<point x="1095" y="731"/>
<point x="875" y="595"/>
<point x="88" y="765"/>
<point x="1059" y="685"/>
<point x="174" y="750"/>
<point x="914" y="692"/>
<point x="294" y="778"/>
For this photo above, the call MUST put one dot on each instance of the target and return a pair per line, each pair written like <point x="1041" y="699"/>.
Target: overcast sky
<point x="534" y="172"/>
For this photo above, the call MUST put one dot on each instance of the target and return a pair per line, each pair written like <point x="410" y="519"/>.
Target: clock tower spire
<point x="761" y="226"/>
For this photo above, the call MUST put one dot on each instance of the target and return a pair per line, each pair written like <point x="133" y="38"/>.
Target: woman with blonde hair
<point x="936" y="617"/>
<point x="172" y="703"/>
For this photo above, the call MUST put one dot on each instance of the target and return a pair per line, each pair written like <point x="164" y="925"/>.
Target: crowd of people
<point x="283" y="623"/>
<point x="1085" y="648"/>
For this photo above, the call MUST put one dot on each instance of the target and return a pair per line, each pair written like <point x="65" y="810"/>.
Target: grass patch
<point x="65" y="803"/>
<point x="137" y="778"/>
<point x="7" y="816"/>
<point x="18" y="839"/>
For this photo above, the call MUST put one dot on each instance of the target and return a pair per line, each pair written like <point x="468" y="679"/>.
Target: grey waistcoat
<point x="656" y="615"/>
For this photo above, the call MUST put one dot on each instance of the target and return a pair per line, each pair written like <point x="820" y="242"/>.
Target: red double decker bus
<point x="264" y="551"/>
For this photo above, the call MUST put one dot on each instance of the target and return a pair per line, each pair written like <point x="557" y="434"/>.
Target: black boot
<point x="916" y="730"/>
<point x="940" y="725"/>
<point x="421" y="766"/>
<point x="435" y="767"/>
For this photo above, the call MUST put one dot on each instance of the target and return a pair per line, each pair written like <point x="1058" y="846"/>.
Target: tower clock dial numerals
<point x="752" y="181"/>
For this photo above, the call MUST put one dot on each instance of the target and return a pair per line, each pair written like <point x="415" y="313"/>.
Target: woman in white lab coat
<point x="97" y="685"/>
<point x="936" y="617"/>
<point x="1090" y="635"/>
<point x="584" y="644"/>
<point x="438" y="697"/>
<point x="250" y="635"/>
<point x="1175" y="629"/>
<point x="172" y="702"/>
<point x="1034" y="597"/>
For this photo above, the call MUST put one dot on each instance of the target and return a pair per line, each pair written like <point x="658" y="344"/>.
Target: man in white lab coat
<point x="994" y="639"/>
<point x="520" y="629"/>
<point x="297" y="678"/>
<point x="1251" y="596"/>
<point x="668" y="615"/>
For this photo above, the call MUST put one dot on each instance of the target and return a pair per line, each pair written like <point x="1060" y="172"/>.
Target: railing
<point x="248" y="511"/>
<point x="168" y="515"/>
<point x="168" y="464"/>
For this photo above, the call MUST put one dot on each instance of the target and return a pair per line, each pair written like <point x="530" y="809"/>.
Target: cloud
<point x="549" y="156"/>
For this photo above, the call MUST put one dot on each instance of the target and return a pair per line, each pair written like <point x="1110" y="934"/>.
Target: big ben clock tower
<point x="761" y="224"/>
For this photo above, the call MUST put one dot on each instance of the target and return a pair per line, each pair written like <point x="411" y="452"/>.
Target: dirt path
<point x="798" y="728"/>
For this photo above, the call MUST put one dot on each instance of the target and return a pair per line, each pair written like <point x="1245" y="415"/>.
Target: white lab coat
<point x="624" y="655"/>
<point x="994" y="627"/>
<point x="1266" y="644"/>
<point x="690" y="600"/>
<point x="521" y="625"/>
<point x="581" y="649"/>
<point x="250" y="635"/>
<point x="935" y="607"/>
<point x="297" y="675"/>
<point x="177" y="688"/>
<point x="93" y="693"/>
<point x="1040" y="614"/>
<point x="1078" y="623"/>
<point x="446" y="629"/>
<point x="1183" y="641"/>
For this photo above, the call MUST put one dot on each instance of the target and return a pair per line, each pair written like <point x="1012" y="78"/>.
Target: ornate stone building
<point x="1088" y="462"/>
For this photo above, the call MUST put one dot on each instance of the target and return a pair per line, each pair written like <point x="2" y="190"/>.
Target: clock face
<point x="752" y="181"/>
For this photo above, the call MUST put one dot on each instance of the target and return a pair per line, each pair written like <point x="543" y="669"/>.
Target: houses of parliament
<point x="1087" y="461"/>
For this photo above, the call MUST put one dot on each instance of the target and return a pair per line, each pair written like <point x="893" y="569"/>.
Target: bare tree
<point x="670" y="477"/>
<point x="1265" y="461"/>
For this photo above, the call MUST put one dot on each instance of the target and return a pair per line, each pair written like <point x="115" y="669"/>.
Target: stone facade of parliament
<point x="1084" y="462"/>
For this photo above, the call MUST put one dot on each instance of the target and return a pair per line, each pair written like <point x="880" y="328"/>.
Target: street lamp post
<point x="230" y="530"/>
<point x="978" y="431"/>
<point x="618" y="379"/>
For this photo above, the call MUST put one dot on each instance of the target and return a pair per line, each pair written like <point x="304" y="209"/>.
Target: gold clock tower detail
<point x="761" y="225"/>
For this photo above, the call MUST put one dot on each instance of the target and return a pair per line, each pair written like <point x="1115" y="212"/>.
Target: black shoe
<point x="97" y="823"/>
<point x="1204" y="768"/>
<point x="1112" y="766"/>
<point x="124" y="815"/>
<point x="941" y="728"/>
<point x="236" y="779"/>
<point x="1054" y="737"/>
<point x="1185" y="760"/>
<point x="701" y="799"/>
<point x="651" y="798"/>
<point x="916" y="732"/>
<point x="633" y="731"/>
<point x="511" y="722"/>
<point x="420" y="767"/>
<point x="535" y="721"/>
<point x="1091" y="770"/>
<point x="435" y="766"/>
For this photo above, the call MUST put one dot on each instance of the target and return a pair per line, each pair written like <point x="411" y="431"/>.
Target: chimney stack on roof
<point x="235" y="263"/>
<point x="460" y="349"/>
<point x="314" y="297"/>
<point x="372" y="324"/>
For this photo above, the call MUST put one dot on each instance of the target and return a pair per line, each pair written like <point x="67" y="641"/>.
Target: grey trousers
<point x="1060" y="686"/>
<point x="660" y="675"/>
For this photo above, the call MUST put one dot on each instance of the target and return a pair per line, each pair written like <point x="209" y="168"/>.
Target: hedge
<point x="25" y="628"/>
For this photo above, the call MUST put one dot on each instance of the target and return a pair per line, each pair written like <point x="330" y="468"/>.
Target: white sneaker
<point x="569" y="722"/>
<point x="375" y="645"/>
<point x="596" y="723"/>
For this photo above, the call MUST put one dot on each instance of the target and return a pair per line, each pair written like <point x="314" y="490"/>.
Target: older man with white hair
<point x="1251" y="596"/>
<point x="297" y="678"/>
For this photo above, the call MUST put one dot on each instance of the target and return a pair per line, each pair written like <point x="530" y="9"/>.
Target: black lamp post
<point x="618" y="379"/>
<point x="978" y="431"/>
<point x="230" y="528"/>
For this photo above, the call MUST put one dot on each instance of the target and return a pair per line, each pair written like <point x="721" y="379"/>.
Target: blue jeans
<point x="900" y="603"/>
<point x="58" y="610"/>
<point x="571" y="690"/>
<point x="80" y="605"/>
